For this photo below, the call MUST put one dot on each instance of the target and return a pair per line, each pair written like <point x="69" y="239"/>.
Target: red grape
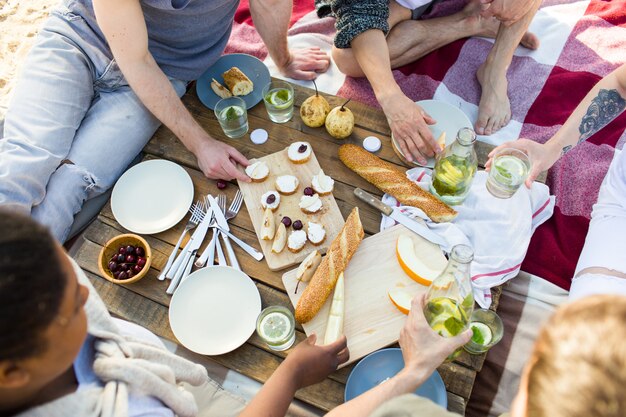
<point x="113" y="266"/>
<point x="139" y="251"/>
<point x="137" y="268"/>
<point x="221" y="184"/>
<point x="297" y="225"/>
<point x="270" y="199"/>
<point x="122" y="275"/>
<point x="130" y="273"/>
<point x="308" y="191"/>
<point x="120" y="258"/>
<point x="141" y="261"/>
<point x="131" y="259"/>
<point x="286" y="221"/>
<point x="130" y="249"/>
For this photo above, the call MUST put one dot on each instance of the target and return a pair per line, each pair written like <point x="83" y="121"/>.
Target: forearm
<point x="271" y="19"/>
<point x="601" y="105"/>
<point x="363" y="405"/>
<point x="156" y="92"/>
<point x="371" y="52"/>
<point x="275" y="396"/>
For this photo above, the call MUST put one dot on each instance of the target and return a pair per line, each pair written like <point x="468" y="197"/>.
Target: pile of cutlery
<point x="207" y="213"/>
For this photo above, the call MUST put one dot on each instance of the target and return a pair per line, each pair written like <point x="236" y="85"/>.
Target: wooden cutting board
<point x="371" y="321"/>
<point x="329" y="216"/>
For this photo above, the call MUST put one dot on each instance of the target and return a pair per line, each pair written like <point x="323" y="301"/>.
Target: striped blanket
<point x="581" y="41"/>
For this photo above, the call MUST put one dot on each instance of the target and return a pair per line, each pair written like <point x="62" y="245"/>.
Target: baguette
<point x="334" y="263"/>
<point x="220" y="90"/>
<point x="237" y="82"/>
<point x="391" y="180"/>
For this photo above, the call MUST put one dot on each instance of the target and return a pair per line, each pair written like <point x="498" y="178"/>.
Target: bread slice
<point x="219" y="89"/>
<point x="237" y="82"/>
<point x="392" y="180"/>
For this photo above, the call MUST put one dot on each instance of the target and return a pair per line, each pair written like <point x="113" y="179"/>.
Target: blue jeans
<point x="72" y="127"/>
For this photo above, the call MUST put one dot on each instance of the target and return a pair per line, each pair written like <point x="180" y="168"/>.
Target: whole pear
<point x="314" y="110"/>
<point x="340" y="122"/>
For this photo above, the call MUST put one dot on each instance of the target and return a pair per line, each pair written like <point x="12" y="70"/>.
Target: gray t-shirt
<point x="184" y="36"/>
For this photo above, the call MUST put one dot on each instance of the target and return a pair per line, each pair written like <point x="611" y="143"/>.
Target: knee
<point x="344" y="59"/>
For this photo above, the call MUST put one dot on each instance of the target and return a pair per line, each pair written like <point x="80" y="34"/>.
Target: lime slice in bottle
<point x="281" y="99"/>
<point x="274" y="327"/>
<point x="481" y="333"/>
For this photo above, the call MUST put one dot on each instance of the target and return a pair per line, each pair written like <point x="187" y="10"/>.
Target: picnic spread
<point x="338" y="232"/>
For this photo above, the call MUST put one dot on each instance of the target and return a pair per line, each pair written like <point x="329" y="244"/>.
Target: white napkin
<point x="499" y="230"/>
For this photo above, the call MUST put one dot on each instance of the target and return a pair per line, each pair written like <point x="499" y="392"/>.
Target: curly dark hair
<point x="32" y="284"/>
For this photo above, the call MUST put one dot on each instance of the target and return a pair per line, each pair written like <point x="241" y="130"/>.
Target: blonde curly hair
<point x="579" y="361"/>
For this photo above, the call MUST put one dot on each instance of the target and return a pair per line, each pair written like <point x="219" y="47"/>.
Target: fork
<point x="196" y="217"/>
<point x="234" y="206"/>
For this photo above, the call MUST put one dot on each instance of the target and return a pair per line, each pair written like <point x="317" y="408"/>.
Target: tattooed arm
<point x="601" y="105"/>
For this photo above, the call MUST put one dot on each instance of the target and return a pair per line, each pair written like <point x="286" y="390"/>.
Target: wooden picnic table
<point x="146" y="303"/>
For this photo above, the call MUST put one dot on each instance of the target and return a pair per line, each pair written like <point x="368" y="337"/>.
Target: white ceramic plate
<point x="214" y="310"/>
<point x="449" y="119"/>
<point x="152" y="196"/>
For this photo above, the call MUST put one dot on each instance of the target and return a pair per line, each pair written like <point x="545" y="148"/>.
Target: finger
<point x="431" y="146"/>
<point x="414" y="150"/>
<point x="405" y="150"/>
<point x="428" y="118"/>
<point x="343" y="356"/>
<point x="460" y="339"/>
<point x="338" y="345"/>
<point x="238" y="157"/>
<point x="231" y="170"/>
<point x="417" y="306"/>
<point x="534" y="173"/>
<point x="305" y="75"/>
<point x="311" y="339"/>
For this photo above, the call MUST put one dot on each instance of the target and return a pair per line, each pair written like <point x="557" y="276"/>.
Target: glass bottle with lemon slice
<point x="277" y="327"/>
<point x="450" y="302"/>
<point x="455" y="168"/>
<point x="278" y="98"/>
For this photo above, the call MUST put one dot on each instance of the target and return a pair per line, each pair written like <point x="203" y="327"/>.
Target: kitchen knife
<point x="191" y="248"/>
<point x="222" y="223"/>
<point x="395" y="213"/>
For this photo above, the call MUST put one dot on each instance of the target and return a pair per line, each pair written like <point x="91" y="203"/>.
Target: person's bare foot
<point x="488" y="27"/>
<point x="494" y="109"/>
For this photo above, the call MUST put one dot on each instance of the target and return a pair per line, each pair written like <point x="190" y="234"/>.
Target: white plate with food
<point x="152" y="196"/>
<point x="449" y="120"/>
<point x="214" y="310"/>
<point x="251" y="67"/>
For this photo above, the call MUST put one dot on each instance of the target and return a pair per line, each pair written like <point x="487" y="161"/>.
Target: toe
<point x="481" y="124"/>
<point x="530" y="41"/>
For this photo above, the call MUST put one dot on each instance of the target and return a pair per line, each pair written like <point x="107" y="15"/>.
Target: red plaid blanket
<point x="581" y="41"/>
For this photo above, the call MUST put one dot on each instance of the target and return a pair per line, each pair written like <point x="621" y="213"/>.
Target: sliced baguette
<point x="237" y="82"/>
<point x="219" y="89"/>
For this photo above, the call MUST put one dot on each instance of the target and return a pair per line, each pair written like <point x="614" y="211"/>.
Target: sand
<point x="20" y="21"/>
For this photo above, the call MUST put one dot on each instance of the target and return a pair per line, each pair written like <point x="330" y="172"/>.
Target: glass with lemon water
<point x="233" y="117"/>
<point x="508" y="172"/>
<point x="455" y="168"/>
<point x="277" y="327"/>
<point x="278" y="97"/>
<point x="450" y="302"/>
<point x="487" y="331"/>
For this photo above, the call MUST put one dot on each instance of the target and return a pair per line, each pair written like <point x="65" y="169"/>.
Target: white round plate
<point x="214" y="310"/>
<point x="449" y="119"/>
<point x="152" y="196"/>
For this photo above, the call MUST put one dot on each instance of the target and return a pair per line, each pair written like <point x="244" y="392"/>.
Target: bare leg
<point x="494" y="109"/>
<point x="410" y="40"/>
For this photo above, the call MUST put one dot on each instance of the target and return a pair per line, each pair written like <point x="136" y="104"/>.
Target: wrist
<point x="386" y="96"/>
<point x="408" y="380"/>
<point x="289" y="373"/>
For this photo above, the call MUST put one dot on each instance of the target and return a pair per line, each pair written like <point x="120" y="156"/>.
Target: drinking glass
<point x="278" y="97"/>
<point x="508" y="172"/>
<point x="488" y="330"/>
<point x="277" y="327"/>
<point x="233" y="117"/>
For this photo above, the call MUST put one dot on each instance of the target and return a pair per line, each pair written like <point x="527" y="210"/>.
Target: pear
<point x="314" y="110"/>
<point x="340" y="122"/>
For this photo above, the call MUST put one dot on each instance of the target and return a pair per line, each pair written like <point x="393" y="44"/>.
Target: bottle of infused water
<point x="455" y="168"/>
<point x="450" y="302"/>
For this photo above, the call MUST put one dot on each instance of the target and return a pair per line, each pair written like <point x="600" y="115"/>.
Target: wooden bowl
<point x="111" y="248"/>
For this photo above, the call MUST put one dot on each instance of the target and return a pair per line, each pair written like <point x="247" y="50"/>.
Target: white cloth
<point x="125" y="366"/>
<point x="499" y="230"/>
